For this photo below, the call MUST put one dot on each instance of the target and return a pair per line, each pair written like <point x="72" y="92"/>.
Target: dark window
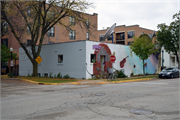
<point x="101" y="37"/>
<point x="87" y="36"/>
<point x="4" y="65"/>
<point x="93" y="58"/>
<point x="29" y="11"/>
<point x="120" y="36"/>
<point x="110" y="37"/>
<point x="4" y="27"/>
<point x="130" y="34"/>
<point x="28" y="42"/>
<point x="5" y="42"/>
<point x="51" y="32"/>
<point x="60" y="58"/>
<point x="130" y="43"/>
<point x="71" y="20"/>
<point x="72" y="34"/>
<point x="87" y="23"/>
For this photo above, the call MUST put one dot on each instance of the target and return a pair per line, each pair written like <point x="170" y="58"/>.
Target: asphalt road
<point x="149" y="100"/>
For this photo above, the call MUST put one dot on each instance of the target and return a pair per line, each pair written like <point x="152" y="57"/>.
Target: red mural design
<point x="98" y="64"/>
<point x="123" y="62"/>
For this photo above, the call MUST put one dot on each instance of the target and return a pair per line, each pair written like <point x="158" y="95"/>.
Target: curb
<point x="79" y="83"/>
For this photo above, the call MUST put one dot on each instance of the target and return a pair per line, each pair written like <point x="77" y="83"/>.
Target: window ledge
<point x="60" y="64"/>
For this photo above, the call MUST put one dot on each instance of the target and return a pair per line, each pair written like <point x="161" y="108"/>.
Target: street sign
<point x="12" y="63"/>
<point x="112" y="58"/>
<point x="38" y="59"/>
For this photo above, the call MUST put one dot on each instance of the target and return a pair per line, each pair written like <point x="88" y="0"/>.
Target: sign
<point x="38" y="59"/>
<point x="112" y="58"/>
<point x="96" y="47"/>
<point x="11" y="64"/>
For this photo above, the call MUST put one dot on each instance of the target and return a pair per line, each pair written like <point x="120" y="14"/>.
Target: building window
<point x="101" y="37"/>
<point x="120" y="36"/>
<point x="5" y="42"/>
<point x="150" y="35"/>
<point x="28" y="42"/>
<point x="87" y="23"/>
<point x="87" y="36"/>
<point x="72" y="20"/>
<point x="4" y="27"/>
<point x="60" y="58"/>
<point x="51" y="32"/>
<point x="72" y="34"/>
<point x="29" y="11"/>
<point x="110" y="37"/>
<point x="130" y="34"/>
<point x="130" y="43"/>
<point x="93" y="58"/>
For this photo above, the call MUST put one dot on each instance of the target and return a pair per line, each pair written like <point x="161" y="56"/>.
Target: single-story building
<point x="81" y="59"/>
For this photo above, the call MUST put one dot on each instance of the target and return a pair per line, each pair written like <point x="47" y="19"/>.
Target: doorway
<point x="102" y="61"/>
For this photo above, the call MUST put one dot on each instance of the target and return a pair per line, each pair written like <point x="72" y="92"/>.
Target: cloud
<point x="147" y="14"/>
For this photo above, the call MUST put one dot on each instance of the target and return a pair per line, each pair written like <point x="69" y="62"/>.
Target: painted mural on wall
<point x="126" y="60"/>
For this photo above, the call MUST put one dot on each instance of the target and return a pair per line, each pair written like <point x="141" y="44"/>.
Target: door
<point x="102" y="58"/>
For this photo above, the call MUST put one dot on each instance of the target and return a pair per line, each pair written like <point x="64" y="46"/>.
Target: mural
<point x="126" y="60"/>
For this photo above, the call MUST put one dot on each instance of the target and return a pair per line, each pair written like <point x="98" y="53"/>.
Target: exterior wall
<point x="132" y="63"/>
<point x="118" y="29"/>
<point x="73" y="60"/>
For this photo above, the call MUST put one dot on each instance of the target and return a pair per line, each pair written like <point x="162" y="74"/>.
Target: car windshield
<point x="168" y="69"/>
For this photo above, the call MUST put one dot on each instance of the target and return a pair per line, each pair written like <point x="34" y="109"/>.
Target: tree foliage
<point x="143" y="47"/>
<point x="168" y="35"/>
<point x="6" y="54"/>
<point x="39" y="17"/>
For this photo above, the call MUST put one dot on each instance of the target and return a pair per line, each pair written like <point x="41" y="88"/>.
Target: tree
<point x="143" y="47"/>
<point x="6" y="54"/>
<point x="168" y="36"/>
<point x="39" y="17"/>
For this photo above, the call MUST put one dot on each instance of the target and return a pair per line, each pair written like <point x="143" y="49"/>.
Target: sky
<point x="145" y="13"/>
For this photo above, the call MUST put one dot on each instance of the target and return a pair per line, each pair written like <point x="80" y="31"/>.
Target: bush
<point x="59" y="75"/>
<point x="10" y="74"/>
<point x="50" y="74"/>
<point x="66" y="76"/>
<point x="132" y="74"/>
<point x="121" y="74"/>
<point x="54" y="75"/>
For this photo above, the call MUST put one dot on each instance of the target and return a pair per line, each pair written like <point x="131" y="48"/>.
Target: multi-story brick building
<point x="56" y="34"/>
<point x="123" y="34"/>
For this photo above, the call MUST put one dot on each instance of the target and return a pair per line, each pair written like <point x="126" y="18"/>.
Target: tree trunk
<point x="143" y="69"/>
<point x="35" y="68"/>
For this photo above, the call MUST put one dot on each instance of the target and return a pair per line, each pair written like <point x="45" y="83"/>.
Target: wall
<point x="73" y="60"/>
<point x="132" y="62"/>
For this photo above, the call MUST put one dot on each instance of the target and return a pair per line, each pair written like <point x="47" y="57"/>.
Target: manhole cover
<point x="47" y="91"/>
<point x="140" y="111"/>
<point x="99" y="94"/>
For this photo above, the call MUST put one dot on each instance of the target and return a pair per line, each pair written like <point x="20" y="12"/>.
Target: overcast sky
<point x="146" y="13"/>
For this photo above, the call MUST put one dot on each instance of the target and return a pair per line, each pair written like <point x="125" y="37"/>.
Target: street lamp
<point x="162" y="57"/>
<point x="11" y="49"/>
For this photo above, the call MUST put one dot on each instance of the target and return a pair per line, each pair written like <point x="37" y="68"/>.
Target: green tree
<point x="143" y="47"/>
<point x="168" y="36"/>
<point x="6" y="54"/>
<point x="39" y="17"/>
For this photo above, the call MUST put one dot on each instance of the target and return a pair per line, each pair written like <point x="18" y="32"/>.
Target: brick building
<point x="123" y="34"/>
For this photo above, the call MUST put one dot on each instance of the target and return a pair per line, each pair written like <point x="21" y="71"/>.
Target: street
<point x="148" y="100"/>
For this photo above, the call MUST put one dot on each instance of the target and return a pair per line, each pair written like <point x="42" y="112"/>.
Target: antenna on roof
<point x="109" y="32"/>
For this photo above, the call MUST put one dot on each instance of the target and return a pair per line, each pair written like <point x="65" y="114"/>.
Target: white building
<point x="80" y="59"/>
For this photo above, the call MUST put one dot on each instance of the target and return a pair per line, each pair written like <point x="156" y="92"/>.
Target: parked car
<point x="169" y="73"/>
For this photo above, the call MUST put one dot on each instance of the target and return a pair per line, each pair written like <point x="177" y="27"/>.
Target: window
<point x="5" y="27"/>
<point x="130" y="43"/>
<point x="150" y="35"/>
<point x="110" y="37"/>
<point x="87" y="23"/>
<point x="29" y="11"/>
<point x="87" y="36"/>
<point x="71" y="20"/>
<point x="120" y="36"/>
<point x="101" y="37"/>
<point x="5" y="42"/>
<point x="28" y="42"/>
<point x="93" y="58"/>
<point x="60" y="58"/>
<point x="72" y="34"/>
<point x="51" y="32"/>
<point x="130" y="34"/>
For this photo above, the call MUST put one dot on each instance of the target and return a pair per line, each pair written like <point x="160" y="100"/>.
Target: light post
<point x="162" y="49"/>
<point x="11" y="64"/>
